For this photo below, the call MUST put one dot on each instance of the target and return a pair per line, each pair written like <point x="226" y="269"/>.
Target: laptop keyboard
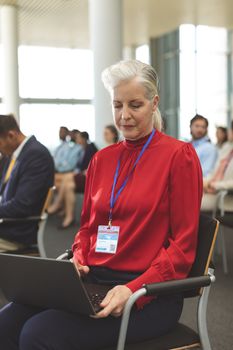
<point x="96" y="294"/>
<point x="96" y="299"/>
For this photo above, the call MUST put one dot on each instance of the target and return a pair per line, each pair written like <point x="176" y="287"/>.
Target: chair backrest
<point x="48" y="200"/>
<point x="207" y="234"/>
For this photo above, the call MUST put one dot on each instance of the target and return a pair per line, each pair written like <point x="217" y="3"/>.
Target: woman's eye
<point x="135" y="106"/>
<point x="117" y="106"/>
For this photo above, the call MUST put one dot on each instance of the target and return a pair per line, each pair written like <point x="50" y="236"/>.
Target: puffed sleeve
<point x="174" y="260"/>
<point x="81" y="243"/>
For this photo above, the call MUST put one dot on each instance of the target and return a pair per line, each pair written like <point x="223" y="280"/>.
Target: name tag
<point x="107" y="239"/>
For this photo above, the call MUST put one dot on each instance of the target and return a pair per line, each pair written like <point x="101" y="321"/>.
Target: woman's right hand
<point x="81" y="269"/>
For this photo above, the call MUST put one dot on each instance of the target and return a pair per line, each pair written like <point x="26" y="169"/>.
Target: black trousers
<point x="29" y="328"/>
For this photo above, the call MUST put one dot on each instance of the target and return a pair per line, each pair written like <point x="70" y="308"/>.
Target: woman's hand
<point x="81" y="269"/>
<point x="114" y="302"/>
<point x="205" y="185"/>
<point x="211" y="188"/>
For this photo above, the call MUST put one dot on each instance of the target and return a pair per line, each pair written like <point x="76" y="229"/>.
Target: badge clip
<point x="109" y="223"/>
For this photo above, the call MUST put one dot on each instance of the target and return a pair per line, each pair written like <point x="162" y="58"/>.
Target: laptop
<point x="48" y="283"/>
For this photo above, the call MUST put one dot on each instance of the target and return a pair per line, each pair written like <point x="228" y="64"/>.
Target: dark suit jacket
<point x="89" y="151"/>
<point x="3" y="161"/>
<point x="26" y="190"/>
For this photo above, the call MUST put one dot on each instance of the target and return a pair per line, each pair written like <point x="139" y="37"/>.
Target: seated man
<point x="206" y="151"/>
<point x="26" y="179"/>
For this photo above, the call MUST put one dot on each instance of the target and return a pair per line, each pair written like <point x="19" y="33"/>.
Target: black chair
<point x="196" y="285"/>
<point x="226" y="220"/>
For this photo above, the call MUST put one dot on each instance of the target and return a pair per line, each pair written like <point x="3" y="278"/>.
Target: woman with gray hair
<point x="139" y="225"/>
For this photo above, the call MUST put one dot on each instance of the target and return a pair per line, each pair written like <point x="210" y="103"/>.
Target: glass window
<point x="143" y="53"/>
<point x="44" y="121"/>
<point x="2" y="108"/>
<point x="211" y="70"/>
<point x="47" y="72"/>
<point x="1" y="71"/>
<point x="203" y="76"/>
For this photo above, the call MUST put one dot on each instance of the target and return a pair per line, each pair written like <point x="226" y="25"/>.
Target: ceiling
<point x="64" y="23"/>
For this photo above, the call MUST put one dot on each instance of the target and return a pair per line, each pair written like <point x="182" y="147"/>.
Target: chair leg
<point x="224" y="253"/>
<point x="125" y="317"/>
<point x="202" y="325"/>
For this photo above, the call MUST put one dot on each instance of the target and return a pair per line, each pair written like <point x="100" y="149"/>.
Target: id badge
<point x="107" y="239"/>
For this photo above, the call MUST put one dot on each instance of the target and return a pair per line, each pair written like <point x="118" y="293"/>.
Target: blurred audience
<point x="67" y="154"/>
<point x="73" y="182"/>
<point x="206" y="151"/>
<point x="221" y="178"/>
<point x="61" y="151"/>
<point x="221" y="136"/>
<point x="27" y="176"/>
<point x="111" y="134"/>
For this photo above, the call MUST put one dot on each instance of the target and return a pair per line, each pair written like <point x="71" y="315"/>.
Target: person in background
<point x="27" y="176"/>
<point x="73" y="135"/>
<point x="61" y="150"/>
<point x="220" y="179"/>
<point x="111" y="134"/>
<point x="67" y="154"/>
<point x="73" y="182"/>
<point x="206" y="151"/>
<point x="221" y="136"/>
<point x="224" y="145"/>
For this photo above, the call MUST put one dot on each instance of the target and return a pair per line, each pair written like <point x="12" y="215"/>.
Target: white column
<point x="106" y="42"/>
<point x="9" y="35"/>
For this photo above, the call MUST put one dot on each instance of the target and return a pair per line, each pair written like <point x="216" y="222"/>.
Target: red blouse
<point x="158" y="210"/>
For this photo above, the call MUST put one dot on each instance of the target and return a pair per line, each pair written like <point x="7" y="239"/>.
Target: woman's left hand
<point x="114" y="302"/>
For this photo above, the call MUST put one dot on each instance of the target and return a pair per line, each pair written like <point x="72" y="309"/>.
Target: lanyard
<point x="114" y="196"/>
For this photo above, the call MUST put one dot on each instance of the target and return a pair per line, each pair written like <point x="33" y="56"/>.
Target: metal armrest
<point x="163" y="288"/>
<point x="220" y="200"/>
<point x="26" y="219"/>
<point x="220" y="203"/>
<point x="177" y="286"/>
<point x="67" y="255"/>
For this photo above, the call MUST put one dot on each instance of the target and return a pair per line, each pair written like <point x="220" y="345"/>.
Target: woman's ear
<point x="155" y="103"/>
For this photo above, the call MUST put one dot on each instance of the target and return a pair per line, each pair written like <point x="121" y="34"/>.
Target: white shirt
<point x="19" y="149"/>
<point x="17" y="152"/>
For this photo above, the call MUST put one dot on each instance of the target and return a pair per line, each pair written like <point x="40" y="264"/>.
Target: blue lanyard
<point x="114" y="196"/>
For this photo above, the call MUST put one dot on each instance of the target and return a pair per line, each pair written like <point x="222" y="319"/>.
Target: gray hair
<point x="128" y="70"/>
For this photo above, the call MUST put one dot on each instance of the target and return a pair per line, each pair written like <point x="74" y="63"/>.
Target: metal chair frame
<point x="41" y="219"/>
<point x="165" y="287"/>
<point x="220" y="207"/>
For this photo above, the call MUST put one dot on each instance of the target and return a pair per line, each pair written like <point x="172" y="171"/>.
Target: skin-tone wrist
<point x="211" y="187"/>
<point x="81" y="269"/>
<point x="114" y="302"/>
<point x="205" y="185"/>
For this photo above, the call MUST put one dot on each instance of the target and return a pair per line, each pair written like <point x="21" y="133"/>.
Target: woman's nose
<point x="125" y="113"/>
